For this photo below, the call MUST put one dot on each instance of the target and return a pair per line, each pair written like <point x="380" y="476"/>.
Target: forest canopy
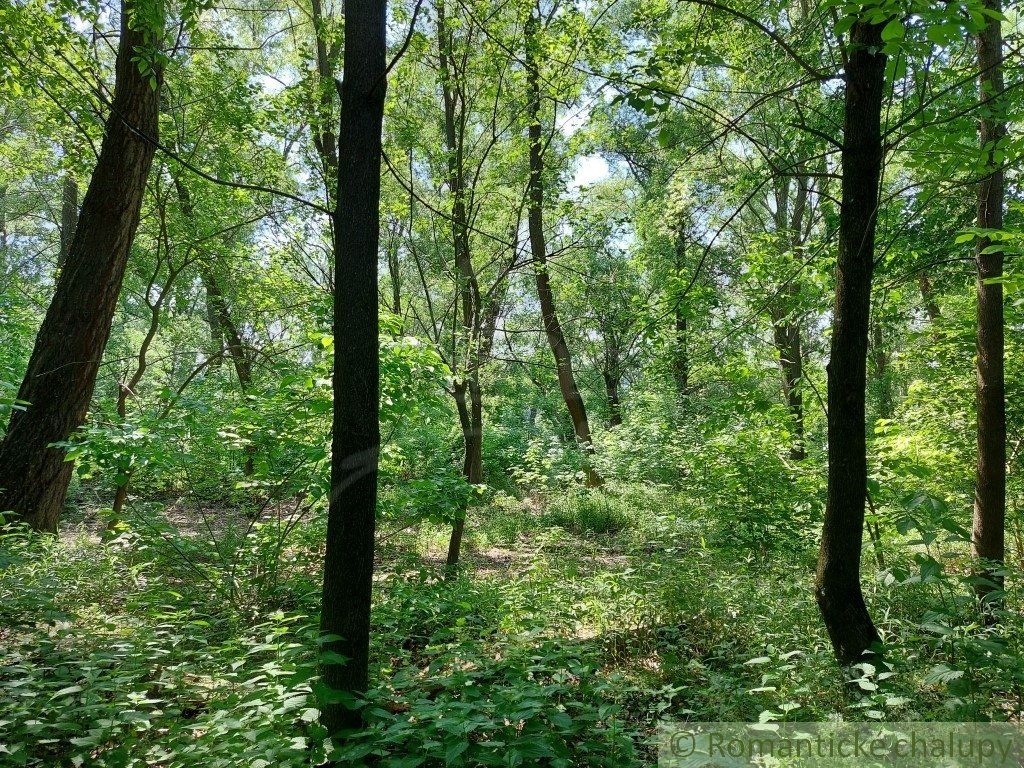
<point x="488" y="382"/>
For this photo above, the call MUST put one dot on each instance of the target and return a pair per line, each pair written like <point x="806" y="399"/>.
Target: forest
<point x="491" y="382"/>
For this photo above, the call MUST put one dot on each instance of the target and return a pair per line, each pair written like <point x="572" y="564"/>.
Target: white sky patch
<point x="590" y="169"/>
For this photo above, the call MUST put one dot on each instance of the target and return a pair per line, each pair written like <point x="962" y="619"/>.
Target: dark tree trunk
<point x="538" y="248"/>
<point x="837" y="584"/>
<point x="62" y="371"/>
<point x="68" y="217"/>
<point x="990" y="478"/>
<point x="611" y="389"/>
<point x="931" y="307"/>
<point x="786" y="331"/>
<point x="788" y="343"/>
<point x="348" y="561"/>
<point x="324" y="139"/>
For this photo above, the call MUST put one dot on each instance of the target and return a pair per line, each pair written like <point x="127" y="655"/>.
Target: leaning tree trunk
<point x="348" y="561"/>
<point x="990" y="477"/>
<point x="61" y="373"/>
<point x="538" y="248"/>
<point x="68" y="217"/>
<point x="837" y="584"/>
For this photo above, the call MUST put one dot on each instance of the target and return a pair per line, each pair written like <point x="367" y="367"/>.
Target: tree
<point x="538" y="247"/>
<point x="990" y="476"/>
<point x="61" y="375"/>
<point x="837" y="583"/>
<point x="348" y="561"/>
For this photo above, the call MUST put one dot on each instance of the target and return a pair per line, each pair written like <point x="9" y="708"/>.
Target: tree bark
<point x="62" y="370"/>
<point x="786" y="331"/>
<point x="348" y="561"/>
<point x="68" y="217"/>
<point x="611" y="389"/>
<point x="538" y="248"/>
<point x="990" y="477"/>
<point x="837" y="584"/>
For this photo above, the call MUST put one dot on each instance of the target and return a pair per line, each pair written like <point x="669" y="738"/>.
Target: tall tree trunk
<point x="62" y="371"/>
<point x="680" y="354"/>
<point x="221" y="323"/>
<point x="837" y="584"/>
<point x="931" y="307"/>
<point x="786" y="332"/>
<point x="470" y="411"/>
<point x="990" y="477"/>
<point x="324" y="139"/>
<point x="611" y="390"/>
<point x="538" y="248"/>
<point x="348" y="561"/>
<point x="471" y="420"/>
<point x="68" y="217"/>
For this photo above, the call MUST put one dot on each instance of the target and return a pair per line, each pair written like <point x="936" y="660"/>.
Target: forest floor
<point x="571" y="629"/>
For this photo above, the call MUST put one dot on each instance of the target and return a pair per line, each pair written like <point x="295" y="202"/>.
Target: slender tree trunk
<point x="786" y="331"/>
<point x="62" y="371"/>
<point x="788" y="338"/>
<point x="837" y="584"/>
<point x="348" y="561"/>
<point x="931" y="307"/>
<point x="222" y="325"/>
<point x="471" y="420"/>
<point x="3" y="222"/>
<point x="990" y="477"/>
<point x="127" y="387"/>
<point x="680" y="354"/>
<point x="470" y="410"/>
<point x="324" y="139"/>
<point x="538" y="247"/>
<point x="611" y="389"/>
<point x="880" y="358"/>
<point x="68" y="217"/>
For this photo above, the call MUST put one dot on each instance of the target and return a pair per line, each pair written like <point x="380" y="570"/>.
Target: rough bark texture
<point x="837" y="584"/>
<point x="68" y="217"/>
<point x="62" y="371"/>
<point x="538" y="249"/>
<point x="990" y="478"/>
<point x="348" y="561"/>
